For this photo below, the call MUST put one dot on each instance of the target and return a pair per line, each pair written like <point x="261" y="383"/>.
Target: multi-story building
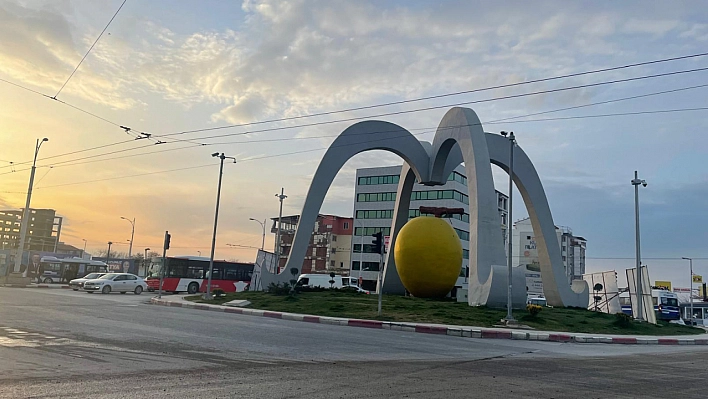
<point x="572" y="249"/>
<point x="42" y="232"/>
<point x="330" y="243"/>
<point x="375" y="196"/>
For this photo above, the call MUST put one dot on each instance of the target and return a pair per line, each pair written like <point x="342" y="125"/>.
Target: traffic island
<point x="438" y="329"/>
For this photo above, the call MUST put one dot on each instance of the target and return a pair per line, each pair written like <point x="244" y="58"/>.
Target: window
<point x="331" y="263"/>
<point x="341" y="265"/>
<point x="346" y="225"/>
<point x="464" y="235"/>
<point x="334" y="238"/>
<point x="465" y="254"/>
<point x="367" y="231"/>
<point x="528" y="237"/>
<point x="368" y="248"/>
<point x="371" y="180"/>
<point x="355" y="265"/>
<point x="130" y="277"/>
<point x="370" y="266"/>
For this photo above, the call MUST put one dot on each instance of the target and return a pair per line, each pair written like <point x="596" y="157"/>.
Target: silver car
<point x="78" y="283"/>
<point x="116" y="282"/>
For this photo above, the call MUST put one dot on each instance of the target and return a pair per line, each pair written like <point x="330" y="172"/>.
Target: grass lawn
<point x="408" y="309"/>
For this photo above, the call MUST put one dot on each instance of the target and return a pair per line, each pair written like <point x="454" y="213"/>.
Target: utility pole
<point x="509" y="319"/>
<point x="690" y="296"/>
<point x="263" y="227"/>
<point x="640" y="298"/>
<point x="281" y="197"/>
<point x="84" y="250"/>
<point x="165" y="247"/>
<point x="56" y="241"/>
<point x="222" y="157"/>
<point x="145" y="261"/>
<point x="26" y="212"/>
<point x="132" y="235"/>
<point x="108" y="254"/>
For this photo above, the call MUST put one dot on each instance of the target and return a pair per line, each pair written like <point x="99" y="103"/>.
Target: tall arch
<point x="360" y="137"/>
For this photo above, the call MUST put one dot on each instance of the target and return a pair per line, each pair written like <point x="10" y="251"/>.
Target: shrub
<point x="279" y="289"/>
<point x="623" y="320"/>
<point x="218" y="293"/>
<point x="534" y="310"/>
<point x="306" y="288"/>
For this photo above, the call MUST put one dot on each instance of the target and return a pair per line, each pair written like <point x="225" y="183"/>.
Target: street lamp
<point x="280" y="197"/>
<point x="145" y="266"/>
<point x="84" y="250"/>
<point x="509" y="319"/>
<point x="263" y="224"/>
<point x="132" y="235"/>
<point x="221" y="156"/>
<point x="690" y="295"/>
<point x="26" y="211"/>
<point x="199" y="252"/>
<point x="108" y="254"/>
<point x="640" y="299"/>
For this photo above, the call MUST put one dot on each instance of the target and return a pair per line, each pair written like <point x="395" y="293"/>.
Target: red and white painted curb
<point x="63" y="286"/>
<point x="439" y="330"/>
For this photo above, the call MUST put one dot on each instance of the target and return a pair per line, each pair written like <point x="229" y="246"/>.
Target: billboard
<point x="117" y="265"/>
<point x="663" y="284"/>
<point x="604" y="293"/>
<point x="263" y="259"/>
<point x="647" y="303"/>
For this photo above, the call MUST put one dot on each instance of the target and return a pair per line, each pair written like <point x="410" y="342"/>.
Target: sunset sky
<point x="168" y="66"/>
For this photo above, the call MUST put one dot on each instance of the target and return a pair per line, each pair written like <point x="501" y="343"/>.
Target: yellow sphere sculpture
<point x="428" y="256"/>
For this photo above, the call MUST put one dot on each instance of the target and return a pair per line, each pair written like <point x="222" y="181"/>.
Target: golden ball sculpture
<point x="428" y="256"/>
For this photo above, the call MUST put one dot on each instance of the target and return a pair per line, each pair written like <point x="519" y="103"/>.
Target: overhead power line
<point x="402" y="112"/>
<point x="457" y="93"/>
<point x="89" y="50"/>
<point x="246" y="159"/>
<point x="147" y="135"/>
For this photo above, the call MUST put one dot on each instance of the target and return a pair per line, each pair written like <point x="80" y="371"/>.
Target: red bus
<point x="190" y="274"/>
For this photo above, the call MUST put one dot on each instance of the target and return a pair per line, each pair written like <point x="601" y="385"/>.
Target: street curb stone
<point x="62" y="286"/>
<point x="438" y="329"/>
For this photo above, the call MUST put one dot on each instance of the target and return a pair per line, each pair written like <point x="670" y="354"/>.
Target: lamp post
<point x="145" y="266"/>
<point x="108" y="254"/>
<point x="281" y="197"/>
<point x="84" y="250"/>
<point x="26" y="211"/>
<point x="640" y="299"/>
<point x="263" y="224"/>
<point x="509" y="319"/>
<point x="221" y="156"/>
<point x="132" y="235"/>
<point x="200" y="253"/>
<point x="690" y="295"/>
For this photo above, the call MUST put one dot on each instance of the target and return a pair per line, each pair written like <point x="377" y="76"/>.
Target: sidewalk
<point x="457" y="331"/>
<point x="64" y="286"/>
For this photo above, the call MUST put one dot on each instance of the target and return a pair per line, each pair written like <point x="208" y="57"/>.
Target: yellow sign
<point x="697" y="278"/>
<point x="663" y="284"/>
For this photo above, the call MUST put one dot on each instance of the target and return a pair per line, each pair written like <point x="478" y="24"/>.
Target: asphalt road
<point x="60" y="343"/>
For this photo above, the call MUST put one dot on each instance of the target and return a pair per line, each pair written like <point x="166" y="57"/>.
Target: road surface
<point x="60" y="343"/>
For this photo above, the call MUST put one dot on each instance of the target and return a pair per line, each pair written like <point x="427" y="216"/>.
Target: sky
<point x="169" y="66"/>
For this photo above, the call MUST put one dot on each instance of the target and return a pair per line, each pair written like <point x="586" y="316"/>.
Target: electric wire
<point x="445" y="94"/>
<point x="89" y="50"/>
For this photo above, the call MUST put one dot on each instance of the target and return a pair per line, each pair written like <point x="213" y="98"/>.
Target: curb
<point x="439" y="330"/>
<point x="64" y="286"/>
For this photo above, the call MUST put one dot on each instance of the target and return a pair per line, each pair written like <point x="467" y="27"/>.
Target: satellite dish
<point x="598" y="287"/>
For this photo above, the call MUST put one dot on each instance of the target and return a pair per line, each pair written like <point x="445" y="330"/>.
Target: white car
<point x="357" y="289"/>
<point x="78" y="283"/>
<point x="116" y="282"/>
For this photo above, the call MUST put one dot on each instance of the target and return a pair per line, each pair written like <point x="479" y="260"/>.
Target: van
<point x="323" y="280"/>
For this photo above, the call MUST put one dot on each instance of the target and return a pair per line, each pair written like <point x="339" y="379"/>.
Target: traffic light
<point x="378" y="242"/>
<point x="167" y="241"/>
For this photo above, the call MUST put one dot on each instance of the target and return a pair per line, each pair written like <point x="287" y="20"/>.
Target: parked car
<point x="78" y="283"/>
<point x="116" y="282"/>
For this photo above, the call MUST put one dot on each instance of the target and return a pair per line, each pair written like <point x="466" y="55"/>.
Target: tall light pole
<point x="221" y="156"/>
<point x="108" y="254"/>
<point x="690" y="296"/>
<point x="281" y="197"/>
<point x="84" y="250"/>
<point x="26" y="211"/>
<point x="263" y="224"/>
<point x="640" y="299"/>
<point x="132" y="235"/>
<point x="512" y="141"/>
<point x="145" y="266"/>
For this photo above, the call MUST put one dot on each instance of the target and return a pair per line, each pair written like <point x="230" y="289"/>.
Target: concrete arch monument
<point x="459" y="138"/>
